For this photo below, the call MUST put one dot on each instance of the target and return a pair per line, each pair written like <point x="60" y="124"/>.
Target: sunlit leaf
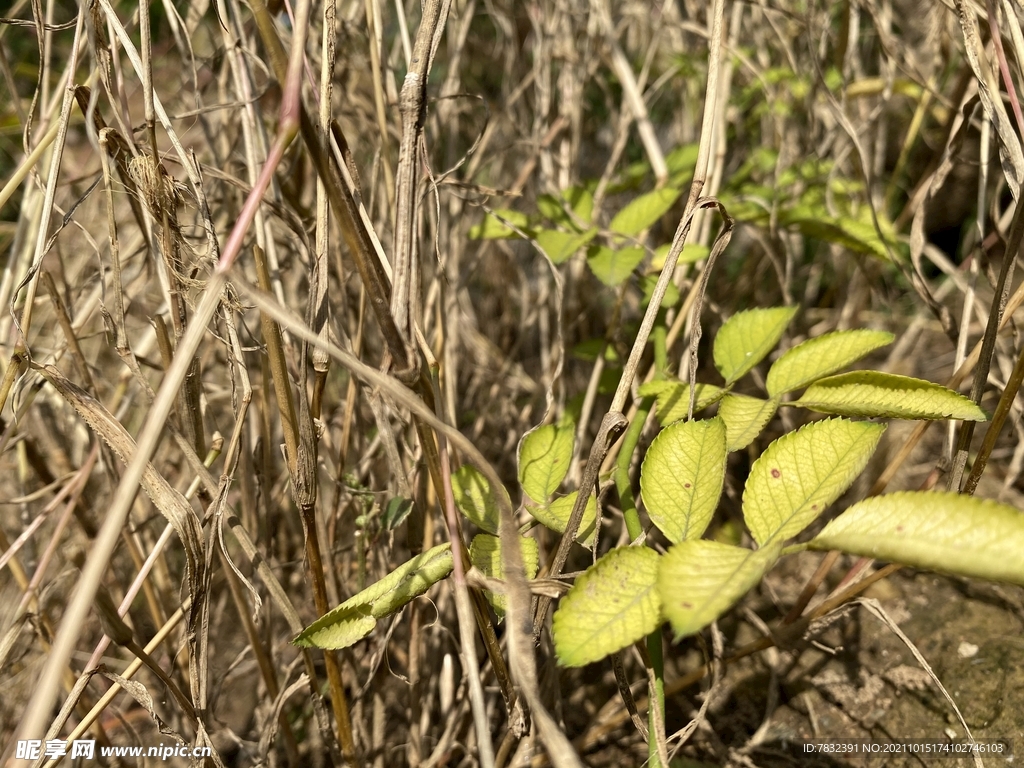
<point x="939" y="531"/>
<point x="699" y="580"/>
<point x="560" y="246"/>
<point x="551" y="209"/>
<point x="643" y="211"/>
<point x="611" y="606"/>
<point x="356" y="617"/>
<point x="476" y="499"/>
<point x="886" y="395"/>
<point x="647" y="284"/>
<point x="556" y="516"/>
<point x="493" y="228"/>
<point x="682" y="160"/>
<point x="745" y="417"/>
<point x="673" y="398"/>
<point x="544" y="456"/>
<point x="682" y="476"/>
<point x="691" y="254"/>
<point x="485" y="554"/>
<point x="613" y="265"/>
<point x="822" y="356"/>
<point x="747" y="337"/>
<point x="581" y="200"/>
<point x="862" y="229"/>
<point x="801" y="473"/>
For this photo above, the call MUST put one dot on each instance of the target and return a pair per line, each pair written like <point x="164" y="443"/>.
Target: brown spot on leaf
<point x="776" y="473"/>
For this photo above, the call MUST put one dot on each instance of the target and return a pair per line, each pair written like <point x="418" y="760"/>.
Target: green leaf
<point x="544" y="456"/>
<point x="610" y="607"/>
<point x="682" y="160"/>
<point x="803" y="472"/>
<point x="821" y="356"/>
<point x="356" y="617"/>
<point x="476" y="499"/>
<point x="700" y="580"/>
<point x="814" y="221"/>
<point x="744" y="418"/>
<point x="886" y="395"/>
<point x="581" y="200"/>
<point x="691" y="254"/>
<point x="395" y="513"/>
<point x="560" y="246"/>
<point x="747" y="337"/>
<point x="682" y="476"/>
<point x="862" y="230"/>
<point x="939" y="531"/>
<point x="347" y="626"/>
<point x="550" y="208"/>
<point x="556" y="516"/>
<point x="644" y="211"/>
<point x="492" y="228"/>
<point x="485" y="554"/>
<point x="613" y="265"/>
<point x="674" y="398"/>
<point x="591" y="349"/>
<point x="647" y="284"/>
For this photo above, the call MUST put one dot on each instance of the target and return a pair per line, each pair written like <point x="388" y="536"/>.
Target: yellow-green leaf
<point x="581" y="201"/>
<point x="613" y="265"/>
<point x="744" y="418"/>
<point x="862" y="229"/>
<point x="700" y="580"/>
<point x="747" y="337"/>
<point x="644" y="211"/>
<point x="610" y="607"/>
<point x="493" y="228"/>
<point x="673" y="398"/>
<point x="938" y="531"/>
<point x="648" y="284"/>
<point x="822" y="356"/>
<point x="681" y="160"/>
<point x="886" y="395"/>
<point x="682" y="476"/>
<point x="356" y="617"/>
<point x="691" y="254"/>
<point x="560" y="246"/>
<point x="556" y="516"/>
<point x="475" y="498"/>
<point x="803" y="472"/>
<point x="550" y="208"/>
<point x="485" y="554"/>
<point x="544" y="456"/>
<point x="347" y="626"/>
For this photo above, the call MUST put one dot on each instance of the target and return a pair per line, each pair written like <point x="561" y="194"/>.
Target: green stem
<point x="631" y="439"/>
<point x="627" y="501"/>
<point x="623" y="484"/>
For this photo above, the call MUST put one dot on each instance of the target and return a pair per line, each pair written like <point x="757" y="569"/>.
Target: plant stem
<point x="623" y="483"/>
<point x="635" y="528"/>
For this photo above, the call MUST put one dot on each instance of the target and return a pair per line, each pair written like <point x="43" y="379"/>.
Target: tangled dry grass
<point x="135" y="253"/>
